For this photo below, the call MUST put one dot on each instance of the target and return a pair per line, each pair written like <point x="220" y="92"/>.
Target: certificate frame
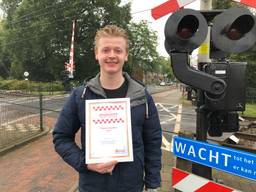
<point x="108" y="130"/>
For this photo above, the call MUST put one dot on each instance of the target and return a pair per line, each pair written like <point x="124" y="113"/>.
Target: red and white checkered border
<point x="108" y="121"/>
<point x="108" y="108"/>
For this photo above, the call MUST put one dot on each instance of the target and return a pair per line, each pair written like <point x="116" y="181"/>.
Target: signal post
<point x="201" y="112"/>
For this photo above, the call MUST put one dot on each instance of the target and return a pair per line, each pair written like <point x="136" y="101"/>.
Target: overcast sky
<point x="141" y="11"/>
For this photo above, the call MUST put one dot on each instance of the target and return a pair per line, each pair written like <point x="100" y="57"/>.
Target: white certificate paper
<point x="108" y="130"/>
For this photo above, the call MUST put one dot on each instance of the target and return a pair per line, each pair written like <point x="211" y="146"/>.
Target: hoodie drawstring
<point x="146" y="113"/>
<point x="84" y="91"/>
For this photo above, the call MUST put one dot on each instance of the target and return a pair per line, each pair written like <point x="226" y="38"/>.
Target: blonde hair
<point x="111" y="31"/>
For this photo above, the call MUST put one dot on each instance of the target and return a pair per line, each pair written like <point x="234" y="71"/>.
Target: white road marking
<point x="171" y="117"/>
<point x="178" y="119"/>
<point x="167" y="144"/>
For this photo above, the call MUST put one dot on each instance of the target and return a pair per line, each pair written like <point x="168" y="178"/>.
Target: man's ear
<point x="126" y="58"/>
<point x="96" y="53"/>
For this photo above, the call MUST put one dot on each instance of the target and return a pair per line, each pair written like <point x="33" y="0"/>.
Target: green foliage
<point x="250" y="75"/>
<point x="31" y="86"/>
<point x="249" y="57"/>
<point x="5" y="62"/>
<point x="143" y="43"/>
<point x="164" y="67"/>
<point x="37" y="34"/>
<point x="224" y="4"/>
<point x="250" y="110"/>
<point x="251" y="95"/>
<point x="16" y="69"/>
<point x="7" y="84"/>
<point x="35" y="37"/>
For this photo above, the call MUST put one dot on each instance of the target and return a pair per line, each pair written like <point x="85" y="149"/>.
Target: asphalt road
<point x="173" y="116"/>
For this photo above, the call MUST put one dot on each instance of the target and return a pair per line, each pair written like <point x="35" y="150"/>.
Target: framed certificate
<point x="108" y="130"/>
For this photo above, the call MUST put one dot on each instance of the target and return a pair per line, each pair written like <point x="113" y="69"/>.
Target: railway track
<point x="246" y="137"/>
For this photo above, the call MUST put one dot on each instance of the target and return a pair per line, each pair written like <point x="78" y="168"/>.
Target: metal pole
<point x="204" y="49"/>
<point x="201" y="120"/>
<point x="41" y="111"/>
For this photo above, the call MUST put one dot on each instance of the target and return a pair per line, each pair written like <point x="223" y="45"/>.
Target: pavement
<point x="35" y="167"/>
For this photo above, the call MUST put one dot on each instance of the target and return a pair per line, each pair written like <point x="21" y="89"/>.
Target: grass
<point x="185" y="102"/>
<point x="250" y="110"/>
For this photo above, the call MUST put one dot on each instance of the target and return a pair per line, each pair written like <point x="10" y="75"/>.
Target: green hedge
<point x="31" y="86"/>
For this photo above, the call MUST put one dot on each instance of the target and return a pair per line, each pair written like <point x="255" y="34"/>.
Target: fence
<point x="26" y="116"/>
<point x="20" y="117"/>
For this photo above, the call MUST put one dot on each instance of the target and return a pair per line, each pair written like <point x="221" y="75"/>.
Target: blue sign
<point x="229" y="160"/>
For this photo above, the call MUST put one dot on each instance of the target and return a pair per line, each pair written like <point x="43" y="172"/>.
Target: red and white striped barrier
<point x="70" y="66"/>
<point x="174" y="5"/>
<point x="169" y="7"/>
<point x="251" y="3"/>
<point x="187" y="182"/>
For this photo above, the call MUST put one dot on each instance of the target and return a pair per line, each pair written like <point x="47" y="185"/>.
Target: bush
<point x="251" y="95"/>
<point x="7" y="84"/>
<point x="30" y="86"/>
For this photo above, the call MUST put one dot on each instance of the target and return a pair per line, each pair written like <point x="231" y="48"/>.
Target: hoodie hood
<point x="136" y="91"/>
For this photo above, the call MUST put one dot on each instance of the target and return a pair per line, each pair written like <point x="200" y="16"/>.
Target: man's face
<point x="111" y="54"/>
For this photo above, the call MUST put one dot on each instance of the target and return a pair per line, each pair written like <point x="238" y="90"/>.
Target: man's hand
<point x="102" y="167"/>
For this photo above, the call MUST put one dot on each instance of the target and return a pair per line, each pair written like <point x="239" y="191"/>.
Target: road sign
<point x="26" y="74"/>
<point x="187" y="182"/>
<point x="226" y="159"/>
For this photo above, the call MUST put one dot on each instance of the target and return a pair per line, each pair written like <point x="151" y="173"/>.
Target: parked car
<point x="169" y="83"/>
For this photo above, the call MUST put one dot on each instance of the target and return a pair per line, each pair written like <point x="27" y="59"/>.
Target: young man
<point x="111" y="51"/>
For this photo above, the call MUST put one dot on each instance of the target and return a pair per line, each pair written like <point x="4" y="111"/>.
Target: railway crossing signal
<point x="222" y="82"/>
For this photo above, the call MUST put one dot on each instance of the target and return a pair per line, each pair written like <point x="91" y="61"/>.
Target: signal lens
<point x="234" y="34"/>
<point x="188" y="26"/>
<point x="240" y="27"/>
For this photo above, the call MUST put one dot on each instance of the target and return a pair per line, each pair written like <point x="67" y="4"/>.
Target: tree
<point x="4" y="56"/>
<point x="143" y="54"/>
<point x="9" y="7"/>
<point x="164" y="67"/>
<point x="36" y="37"/>
<point x="37" y="34"/>
<point x="224" y="4"/>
